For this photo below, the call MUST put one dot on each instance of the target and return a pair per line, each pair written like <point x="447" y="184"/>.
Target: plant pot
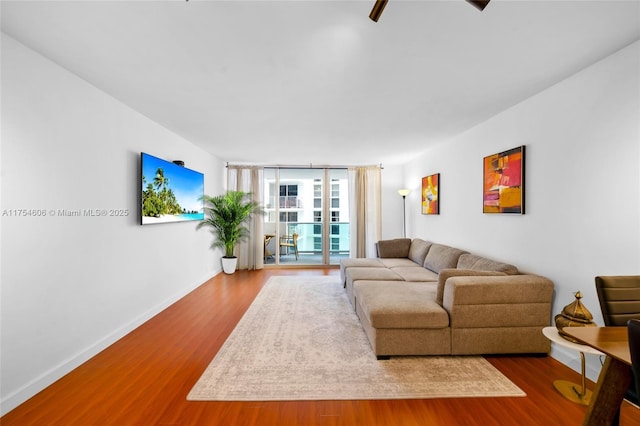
<point x="229" y="264"/>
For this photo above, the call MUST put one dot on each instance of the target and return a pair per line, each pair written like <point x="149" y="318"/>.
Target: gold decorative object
<point x="574" y="315"/>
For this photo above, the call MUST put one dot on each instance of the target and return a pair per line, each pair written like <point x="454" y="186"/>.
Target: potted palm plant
<point x="227" y="215"/>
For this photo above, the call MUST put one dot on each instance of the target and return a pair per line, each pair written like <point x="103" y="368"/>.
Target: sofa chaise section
<point x="405" y="322"/>
<point x="443" y="300"/>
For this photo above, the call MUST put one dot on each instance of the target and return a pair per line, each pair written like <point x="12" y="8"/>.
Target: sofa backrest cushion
<point x="398" y="247"/>
<point x="478" y="263"/>
<point x="442" y="257"/>
<point x="445" y="274"/>
<point x="419" y="249"/>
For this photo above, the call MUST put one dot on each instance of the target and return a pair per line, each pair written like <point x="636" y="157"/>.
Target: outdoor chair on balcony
<point x="288" y="242"/>
<point x="267" y="240"/>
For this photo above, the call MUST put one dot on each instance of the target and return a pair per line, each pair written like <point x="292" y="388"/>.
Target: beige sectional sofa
<point x="424" y="298"/>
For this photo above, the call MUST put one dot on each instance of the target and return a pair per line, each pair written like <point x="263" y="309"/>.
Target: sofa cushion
<point x="416" y="273"/>
<point x="471" y="261"/>
<point x="418" y="250"/>
<point x="398" y="247"/>
<point x="395" y="262"/>
<point x="371" y="274"/>
<point x="400" y="305"/>
<point x="445" y="274"/>
<point x="357" y="262"/>
<point x="442" y="257"/>
<point x="361" y="262"/>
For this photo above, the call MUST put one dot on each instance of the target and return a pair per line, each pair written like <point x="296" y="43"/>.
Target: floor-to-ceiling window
<point x="307" y="216"/>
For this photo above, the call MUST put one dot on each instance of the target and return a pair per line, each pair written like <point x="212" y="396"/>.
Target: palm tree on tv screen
<point x="158" y="199"/>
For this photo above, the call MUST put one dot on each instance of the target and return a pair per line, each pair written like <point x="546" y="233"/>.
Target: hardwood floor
<point x="144" y="378"/>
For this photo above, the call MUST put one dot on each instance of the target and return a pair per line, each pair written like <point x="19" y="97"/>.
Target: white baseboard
<point x="41" y="382"/>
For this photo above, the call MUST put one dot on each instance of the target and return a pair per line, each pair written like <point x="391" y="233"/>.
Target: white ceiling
<point x="298" y="82"/>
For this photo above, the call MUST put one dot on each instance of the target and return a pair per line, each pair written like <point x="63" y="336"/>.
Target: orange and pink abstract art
<point x="430" y="189"/>
<point x="504" y="182"/>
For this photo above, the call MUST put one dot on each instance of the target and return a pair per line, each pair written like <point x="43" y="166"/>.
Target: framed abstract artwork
<point x="430" y="190"/>
<point x="504" y="182"/>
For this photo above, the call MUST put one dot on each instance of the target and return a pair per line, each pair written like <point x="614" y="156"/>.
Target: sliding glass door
<point x="307" y="216"/>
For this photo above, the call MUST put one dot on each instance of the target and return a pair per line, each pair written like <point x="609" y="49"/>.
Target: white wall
<point x="582" y="215"/>
<point x="392" y="181"/>
<point x="73" y="285"/>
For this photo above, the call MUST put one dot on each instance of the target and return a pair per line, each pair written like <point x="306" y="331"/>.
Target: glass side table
<point x="572" y="391"/>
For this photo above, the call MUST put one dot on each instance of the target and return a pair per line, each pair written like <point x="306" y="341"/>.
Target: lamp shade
<point x="404" y="192"/>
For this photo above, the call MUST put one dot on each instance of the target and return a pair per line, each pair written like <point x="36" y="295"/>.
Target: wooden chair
<point x="619" y="298"/>
<point x="633" y="327"/>
<point x="267" y="240"/>
<point x="290" y="241"/>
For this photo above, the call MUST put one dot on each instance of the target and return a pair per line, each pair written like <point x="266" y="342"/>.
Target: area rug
<point x="301" y="340"/>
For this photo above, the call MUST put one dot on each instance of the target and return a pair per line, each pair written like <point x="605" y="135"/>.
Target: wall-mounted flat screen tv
<point x="170" y="193"/>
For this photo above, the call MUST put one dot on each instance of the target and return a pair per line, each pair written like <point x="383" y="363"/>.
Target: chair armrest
<point x="498" y="301"/>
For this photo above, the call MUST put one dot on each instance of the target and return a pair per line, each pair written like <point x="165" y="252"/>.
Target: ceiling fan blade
<point x="378" y="7"/>
<point x="377" y="10"/>
<point x="480" y="4"/>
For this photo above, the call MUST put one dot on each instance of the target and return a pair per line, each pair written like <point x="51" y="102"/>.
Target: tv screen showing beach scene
<point x="170" y="193"/>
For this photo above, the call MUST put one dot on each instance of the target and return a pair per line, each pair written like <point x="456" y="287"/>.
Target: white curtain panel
<point x="249" y="179"/>
<point x="365" y="210"/>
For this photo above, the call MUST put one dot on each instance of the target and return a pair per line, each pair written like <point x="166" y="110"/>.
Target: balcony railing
<point x="290" y="202"/>
<point x="309" y="241"/>
<point x="310" y="236"/>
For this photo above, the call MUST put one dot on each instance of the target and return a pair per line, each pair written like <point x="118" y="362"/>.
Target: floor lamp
<point x="404" y="193"/>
